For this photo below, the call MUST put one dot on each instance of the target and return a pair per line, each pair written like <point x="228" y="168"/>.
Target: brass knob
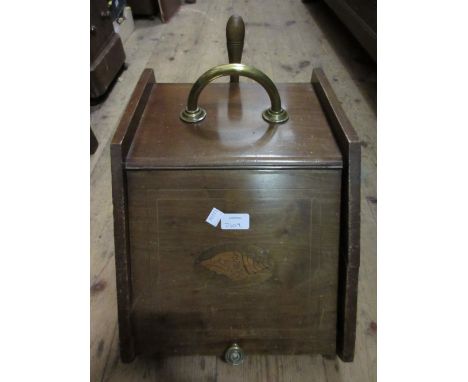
<point x="235" y="31"/>
<point x="234" y="355"/>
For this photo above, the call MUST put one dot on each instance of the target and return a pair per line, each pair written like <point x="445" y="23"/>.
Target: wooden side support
<point x="350" y="146"/>
<point x="119" y="149"/>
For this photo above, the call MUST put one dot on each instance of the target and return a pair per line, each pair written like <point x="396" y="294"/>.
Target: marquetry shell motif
<point x="238" y="263"/>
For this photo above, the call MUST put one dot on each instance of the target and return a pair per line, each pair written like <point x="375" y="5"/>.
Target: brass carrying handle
<point x="193" y="113"/>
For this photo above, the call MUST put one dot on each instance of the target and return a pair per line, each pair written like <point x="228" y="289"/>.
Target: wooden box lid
<point x="233" y="135"/>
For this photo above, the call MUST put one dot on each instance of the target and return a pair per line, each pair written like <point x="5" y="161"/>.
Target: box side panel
<point x="119" y="149"/>
<point x="271" y="288"/>
<point x="350" y="147"/>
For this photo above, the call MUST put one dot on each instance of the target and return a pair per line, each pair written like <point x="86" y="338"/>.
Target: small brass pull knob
<point x="193" y="113"/>
<point x="235" y="32"/>
<point x="234" y="355"/>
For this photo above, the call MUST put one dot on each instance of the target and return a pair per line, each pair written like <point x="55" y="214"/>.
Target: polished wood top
<point x="233" y="135"/>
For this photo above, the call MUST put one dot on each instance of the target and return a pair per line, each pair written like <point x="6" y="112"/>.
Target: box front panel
<point x="198" y="288"/>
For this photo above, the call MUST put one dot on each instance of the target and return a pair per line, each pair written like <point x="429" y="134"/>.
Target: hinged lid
<point x="233" y="134"/>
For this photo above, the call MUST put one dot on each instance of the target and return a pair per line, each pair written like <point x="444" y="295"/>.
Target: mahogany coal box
<point x="275" y="268"/>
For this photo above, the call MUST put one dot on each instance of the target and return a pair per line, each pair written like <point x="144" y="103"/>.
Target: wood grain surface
<point x="119" y="151"/>
<point x="305" y="37"/>
<point x="233" y="134"/>
<point x="192" y="291"/>
<point x="350" y="238"/>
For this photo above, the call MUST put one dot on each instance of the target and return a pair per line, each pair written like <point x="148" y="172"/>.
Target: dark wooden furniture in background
<point x="360" y="17"/>
<point x="107" y="53"/>
<point x="166" y="8"/>
<point x="288" y="284"/>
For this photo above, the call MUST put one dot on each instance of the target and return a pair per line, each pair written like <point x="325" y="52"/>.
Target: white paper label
<point x="235" y="221"/>
<point x="214" y="217"/>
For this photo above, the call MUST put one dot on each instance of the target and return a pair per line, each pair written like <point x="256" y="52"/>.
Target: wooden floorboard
<point x="285" y="39"/>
